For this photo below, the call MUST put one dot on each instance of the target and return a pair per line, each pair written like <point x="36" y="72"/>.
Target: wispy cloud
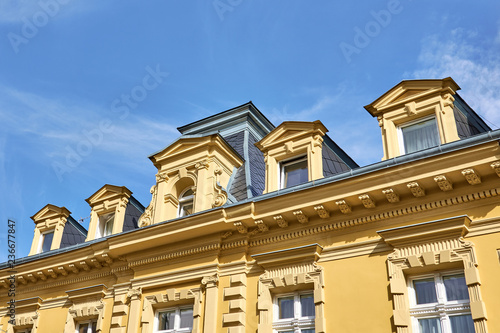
<point x="53" y="126"/>
<point x="14" y="11"/>
<point x="472" y="61"/>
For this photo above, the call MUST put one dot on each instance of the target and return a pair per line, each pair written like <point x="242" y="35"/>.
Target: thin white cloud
<point x="46" y="129"/>
<point x="472" y="61"/>
<point x="16" y="11"/>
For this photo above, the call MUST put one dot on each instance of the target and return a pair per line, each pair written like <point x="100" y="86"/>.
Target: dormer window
<point x="186" y="203"/>
<point x="45" y="241"/>
<point x="106" y="223"/>
<point x="418" y="135"/>
<point x="294" y="172"/>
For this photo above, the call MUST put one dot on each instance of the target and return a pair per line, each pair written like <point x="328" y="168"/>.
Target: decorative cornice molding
<point x="391" y="195"/>
<point x="322" y="212"/>
<point x="282" y="223"/>
<point x="343" y="206"/>
<point x="367" y="201"/>
<point x="176" y="254"/>
<point x="472" y="177"/>
<point x="443" y="183"/>
<point x="416" y="189"/>
<point x="301" y="217"/>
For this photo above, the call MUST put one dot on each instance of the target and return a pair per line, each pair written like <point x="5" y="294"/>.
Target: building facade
<point x="257" y="228"/>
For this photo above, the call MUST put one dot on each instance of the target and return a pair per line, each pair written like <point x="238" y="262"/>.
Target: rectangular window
<point x="106" y="223"/>
<point x="294" y="312"/>
<point x="178" y="319"/>
<point x="418" y="135"/>
<point x="88" y="326"/>
<point x="439" y="303"/>
<point x="294" y="172"/>
<point x="45" y="241"/>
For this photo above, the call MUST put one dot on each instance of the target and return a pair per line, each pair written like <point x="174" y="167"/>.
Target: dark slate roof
<point x="257" y="167"/>
<point x="132" y="213"/>
<point x="468" y="121"/>
<point x="73" y="233"/>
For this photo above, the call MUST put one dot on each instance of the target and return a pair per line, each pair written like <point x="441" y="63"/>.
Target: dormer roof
<point x="291" y="131"/>
<point x="411" y="90"/>
<point x="50" y="212"/>
<point x="108" y="192"/>
<point x="187" y="145"/>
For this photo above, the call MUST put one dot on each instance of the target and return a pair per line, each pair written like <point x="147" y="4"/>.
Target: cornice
<point x="310" y="252"/>
<point x="450" y="228"/>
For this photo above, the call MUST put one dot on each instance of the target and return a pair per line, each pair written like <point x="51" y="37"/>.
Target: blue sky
<point x="88" y="89"/>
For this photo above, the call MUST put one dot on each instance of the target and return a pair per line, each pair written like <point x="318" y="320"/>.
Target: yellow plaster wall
<point x="52" y="320"/>
<point x="486" y="247"/>
<point x="357" y="295"/>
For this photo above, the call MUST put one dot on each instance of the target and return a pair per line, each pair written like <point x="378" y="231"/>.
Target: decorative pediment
<point x="108" y="193"/>
<point x="290" y="131"/>
<point x="190" y="146"/>
<point x="50" y="212"/>
<point x="411" y="90"/>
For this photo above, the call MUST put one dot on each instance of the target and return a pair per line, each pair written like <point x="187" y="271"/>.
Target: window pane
<point x="47" y="241"/>
<point x="425" y="291"/>
<point x="83" y="328"/>
<point x="430" y="325"/>
<point x="307" y="331"/>
<point x="108" y="229"/>
<point x="295" y="173"/>
<point x="420" y="136"/>
<point x="186" y="318"/>
<point x="166" y="320"/>
<point x="462" y="324"/>
<point x="286" y="307"/>
<point x="307" y="305"/>
<point x="455" y="286"/>
<point x="186" y="208"/>
<point x="94" y="327"/>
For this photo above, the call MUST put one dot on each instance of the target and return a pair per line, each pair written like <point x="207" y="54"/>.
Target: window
<point x="106" y="223"/>
<point x="439" y="303"/>
<point x="186" y="203"/>
<point x="178" y="319"/>
<point x="418" y="135"/>
<point x="294" y="313"/>
<point x="89" y="326"/>
<point x="45" y="241"/>
<point x="294" y="172"/>
<point x="25" y="330"/>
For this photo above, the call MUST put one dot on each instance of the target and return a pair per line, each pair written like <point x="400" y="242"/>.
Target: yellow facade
<point x="347" y="249"/>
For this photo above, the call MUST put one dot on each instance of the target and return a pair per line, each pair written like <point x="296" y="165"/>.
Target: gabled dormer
<point x="293" y="154"/>
<point x="113" y="210"/>
<point x="419" y="114"/>
<point x="193" y="175"/>
<point x="54" y="229"/>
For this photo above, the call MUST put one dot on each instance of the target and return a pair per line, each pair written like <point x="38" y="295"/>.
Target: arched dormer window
<point x="186" y="203"/>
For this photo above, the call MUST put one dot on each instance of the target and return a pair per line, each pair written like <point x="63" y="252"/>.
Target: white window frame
<point x="185" y="200"/>
<point x="290" y="161"/>
<point x="42" y="240"/>
<point x="102" y="231"/>
<point x="411" y="123"/>
<point x="442" y="309"/>
<point x="298" y="322"/>
<point x="89" y="329"/>
<point x="177" y="320"/>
